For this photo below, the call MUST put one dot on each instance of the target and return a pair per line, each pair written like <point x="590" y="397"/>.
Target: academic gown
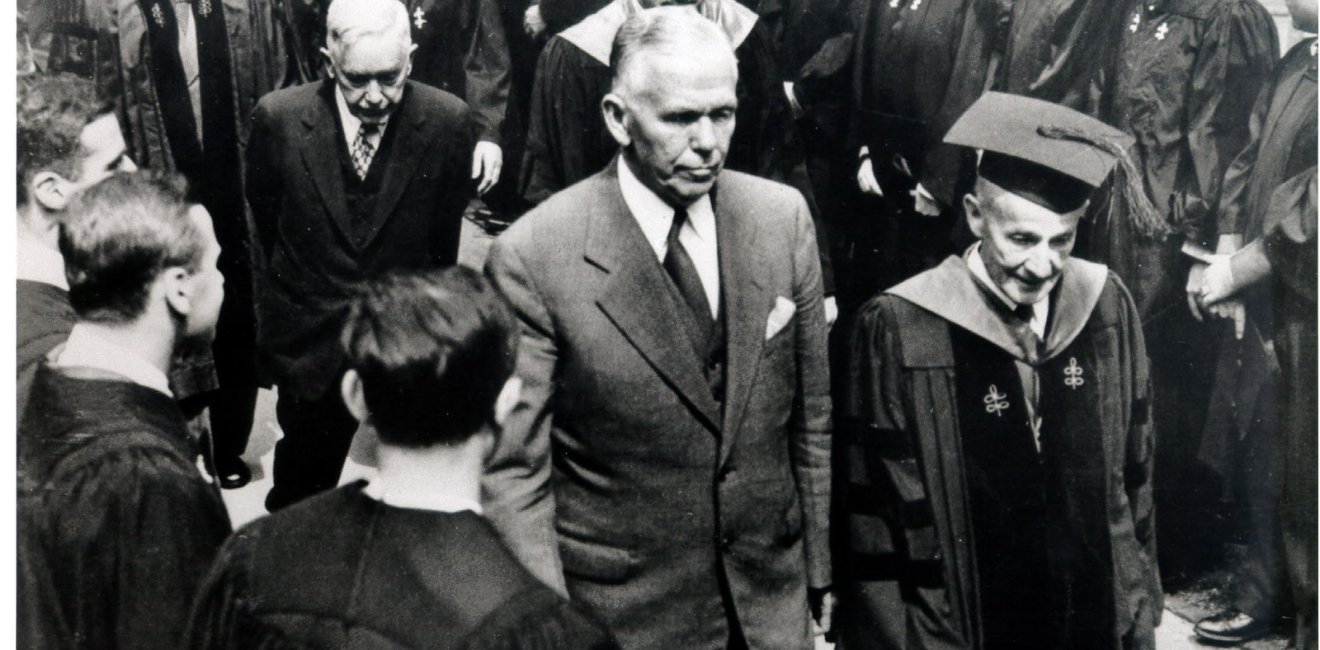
<point x="1061" y="50"/>
<point x="116" y="524"/>
<point x="343" y="570"/>
<point x="461" y="49"/>
<point x="45" y="319"/>
<point x="937" y="407"/>
<point x="567" y="140"/>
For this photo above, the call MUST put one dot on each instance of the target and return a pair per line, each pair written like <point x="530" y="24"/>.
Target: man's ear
<point x="616" y="118"/>
<point x="174" y="282"/>
<point x="350" y="388"/>
<point x="975" y="216"/>
<point x="51" y="191"/>
<point x="507" y="399"/>
<point x="327" y="63"/>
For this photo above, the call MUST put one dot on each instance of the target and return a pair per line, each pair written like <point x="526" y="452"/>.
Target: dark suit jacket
<point x="315" y="259"/>
<point x="619" y="474"/>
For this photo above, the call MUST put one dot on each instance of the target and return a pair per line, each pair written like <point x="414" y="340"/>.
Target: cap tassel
<point x="1130" y="198"/>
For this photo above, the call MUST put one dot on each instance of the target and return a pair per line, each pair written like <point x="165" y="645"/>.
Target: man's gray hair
<point x="664" y="31"/>
<point x="349" y="20"/>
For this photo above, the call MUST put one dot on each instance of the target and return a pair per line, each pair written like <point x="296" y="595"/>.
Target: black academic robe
<point x="461" y="49"/>
<point x="343" y="570"/>
<point x="45" y="319"/>
<point x="116" y="524"/>
<point x="567" y="140"/>
<point x="919" y="66"/>
<point x="1060" y="50"/>
<point x="934" y="371"/>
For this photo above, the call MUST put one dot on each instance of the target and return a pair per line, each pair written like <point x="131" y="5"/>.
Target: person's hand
<point x="798" y="110"/>
<point x="533" y="24"/>
<point x="1232" y="310"/>
<point x="831" y="310"/>
<point x="822" y="611"/>
<point x="1217" y="281"/>
<point x="866" y="181"/>
<point x="487" y="160"/>
<point x="925" y="203"/>
<point x="1195" y="276"/>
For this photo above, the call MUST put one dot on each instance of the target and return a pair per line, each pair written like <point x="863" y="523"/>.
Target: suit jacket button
<point x="726" y="543"/>
<point x="725" y="472"/>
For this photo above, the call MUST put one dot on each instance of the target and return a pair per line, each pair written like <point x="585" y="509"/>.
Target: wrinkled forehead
<point x="670" y="72"/>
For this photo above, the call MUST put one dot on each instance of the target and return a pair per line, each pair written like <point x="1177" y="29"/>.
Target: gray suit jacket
<point x="619" y="477"/>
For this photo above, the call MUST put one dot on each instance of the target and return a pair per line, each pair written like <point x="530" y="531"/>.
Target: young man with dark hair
<point x="408" y="556"/>
<point x="116" y="523"/>
<point x="67" y="141"/>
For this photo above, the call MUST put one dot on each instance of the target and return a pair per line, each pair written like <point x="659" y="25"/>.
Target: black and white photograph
<point x="665" y="325"/>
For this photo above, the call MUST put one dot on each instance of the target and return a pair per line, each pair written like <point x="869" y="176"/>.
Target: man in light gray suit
<point x="669" y="464"/>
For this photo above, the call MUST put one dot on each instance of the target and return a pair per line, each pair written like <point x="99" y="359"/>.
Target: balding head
<point x="348" y="21"/>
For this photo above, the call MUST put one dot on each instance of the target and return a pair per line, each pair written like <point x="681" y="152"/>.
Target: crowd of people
<point x="905" y="323"/>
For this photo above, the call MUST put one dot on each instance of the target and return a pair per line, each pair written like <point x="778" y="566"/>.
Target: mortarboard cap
<point x="1046" y="153"/>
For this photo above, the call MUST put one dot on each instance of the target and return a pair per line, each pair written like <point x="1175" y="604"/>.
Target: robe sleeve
<point x="1240" y="49"/>
<point x="137" y="530"/>
<point x="1290" y="244"/>
<point x="894" y="594"/>
<point x="537" y="619"/>
<point x="1232" y="212"/>
<point x="218" y="620"/>
<point x="1146" y="600"/>
<point x="487" y="71"/>
<point x="559" y="122"/>
<point x="516" y="491"/>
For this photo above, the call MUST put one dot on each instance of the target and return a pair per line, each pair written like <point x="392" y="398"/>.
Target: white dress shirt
<point x="352" y="124"/>
<point x="1040" y="311"/>
<point x="412" y="499"/>
<point x="39" y="263"/>
<point x="697" y="234"/>
<point x="87" y="350"/>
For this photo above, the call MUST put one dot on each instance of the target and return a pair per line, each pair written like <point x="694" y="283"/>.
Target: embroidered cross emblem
<point x="419" y="18"/>
<point x="995" y="401"/>
<point x="1073" y="374"/>
<point x="204" y="8"/>
<point x="1136" y="22"/>
<point x="1162" y="31"/>
<point x="893" y="4"/>
<point x="915" y="4"/>
<point x="158" y="15"/>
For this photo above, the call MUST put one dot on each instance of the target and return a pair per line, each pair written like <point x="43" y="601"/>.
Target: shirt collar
<point x="40" y="263"/>
<point x="655" y="216"/>
<point x="419" y="500"/>
<point x="84" y="349"/>
<point x="1040" y="311"/>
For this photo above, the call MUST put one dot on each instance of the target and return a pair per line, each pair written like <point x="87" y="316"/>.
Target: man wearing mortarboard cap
<point x="995" y="484"/>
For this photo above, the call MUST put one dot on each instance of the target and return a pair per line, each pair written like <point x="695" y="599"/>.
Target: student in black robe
<point x="407" y="560"/>
<point x="1282" y="146"/>
<point x="567" y="140"/>
<point x="996" y="490"/>
<point x="116" y="521"/>
<point x="1061" y="51"/>
<point x="1188" y="73"/>
<point x="67" y="141"/>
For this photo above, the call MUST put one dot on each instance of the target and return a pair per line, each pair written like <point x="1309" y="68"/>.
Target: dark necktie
<point x="680" y="268"/>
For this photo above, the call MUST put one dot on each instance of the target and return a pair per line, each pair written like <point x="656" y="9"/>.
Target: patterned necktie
<point x="364" y="149"/>
<point x="680" y="268"/>
<point x="1024" y="334"/>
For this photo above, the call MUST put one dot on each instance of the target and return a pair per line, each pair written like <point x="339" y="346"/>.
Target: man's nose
<point x="703" y="136"/>
<point x="1043" y="262"/>
<point x="374" y="92"/>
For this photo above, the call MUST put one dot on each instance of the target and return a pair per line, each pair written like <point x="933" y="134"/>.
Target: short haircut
<point x="663" y="31"/>
<point x="52" y="111"/>
<point x="117" y="238"/>
<point x="346" y="21"/>
<point x="433" y="349"/>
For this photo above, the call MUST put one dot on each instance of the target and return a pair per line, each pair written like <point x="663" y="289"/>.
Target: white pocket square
<point x="779" y="316"/>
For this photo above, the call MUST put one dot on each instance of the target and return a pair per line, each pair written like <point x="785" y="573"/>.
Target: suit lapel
<point x="636" y="298"/>
<point x="405" y="156"/>
<point x="320" y="157"/>
<point x="746" y="306"/>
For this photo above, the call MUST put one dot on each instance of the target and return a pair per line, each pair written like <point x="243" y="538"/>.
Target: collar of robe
<point x="950" y="292"/>
<point x="595" y="33"/>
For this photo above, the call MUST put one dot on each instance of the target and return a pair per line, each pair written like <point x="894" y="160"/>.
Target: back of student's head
<point x="433" y="350"/>
<point x="117" y="238"/>
<point x="51" y="113"/>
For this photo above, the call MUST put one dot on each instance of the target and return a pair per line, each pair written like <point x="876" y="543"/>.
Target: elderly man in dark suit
<point x="669" y="463"/>
<point x="348" y="178"/>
